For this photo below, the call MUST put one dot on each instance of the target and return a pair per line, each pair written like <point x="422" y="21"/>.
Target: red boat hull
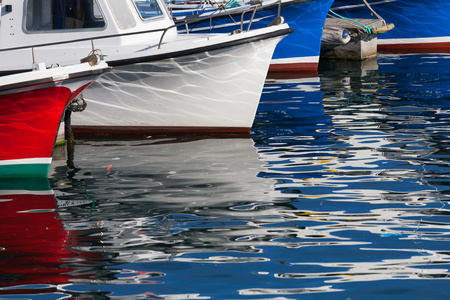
<point x="29" y="122"/>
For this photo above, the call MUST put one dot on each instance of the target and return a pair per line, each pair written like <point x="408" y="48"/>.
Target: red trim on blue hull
<point x="293" y="67"/>
<point x="292" y="74"/>
<point x="414" y="48"/>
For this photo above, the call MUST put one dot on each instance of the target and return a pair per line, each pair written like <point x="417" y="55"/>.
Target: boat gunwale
<point x="201" y="48"/>
<point x="26" y="84"/>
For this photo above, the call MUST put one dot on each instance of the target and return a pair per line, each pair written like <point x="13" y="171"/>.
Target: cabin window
<point x="122" y="14"/>
<point x="148" y="8"/>
<point x="62" y="14"/>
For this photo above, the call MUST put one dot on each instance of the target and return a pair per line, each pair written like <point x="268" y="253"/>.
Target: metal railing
<point x="186" y="23"/>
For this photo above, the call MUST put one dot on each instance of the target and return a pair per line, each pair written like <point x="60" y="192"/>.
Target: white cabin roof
<point x="34" y="22"/>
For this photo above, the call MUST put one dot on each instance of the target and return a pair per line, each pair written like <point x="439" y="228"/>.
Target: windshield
<point x="148" y="8"/>
<point x="57" y="15"/>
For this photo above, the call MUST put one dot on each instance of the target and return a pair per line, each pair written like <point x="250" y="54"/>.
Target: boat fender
<point x="335" y="36"/>
<point x="383" y="29"/>
<point x="277" y="21"/>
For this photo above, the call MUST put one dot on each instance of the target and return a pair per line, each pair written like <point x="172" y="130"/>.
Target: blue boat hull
<point x="300" y="50"/>
<point x="421" y="26"/>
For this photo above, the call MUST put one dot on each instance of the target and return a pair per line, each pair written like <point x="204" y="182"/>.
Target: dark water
<point x="341" y="193"/>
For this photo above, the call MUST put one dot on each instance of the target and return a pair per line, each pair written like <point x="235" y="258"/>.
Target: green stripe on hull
<point x="24" y="171"/>
<point x="27" y="184"/>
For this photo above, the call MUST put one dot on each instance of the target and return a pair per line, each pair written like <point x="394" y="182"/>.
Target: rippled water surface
<point x="340" y="193"/>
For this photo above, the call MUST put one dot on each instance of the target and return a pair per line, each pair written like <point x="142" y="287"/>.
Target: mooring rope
<point x="374" y="12"/>
<point x="366" y="28"/>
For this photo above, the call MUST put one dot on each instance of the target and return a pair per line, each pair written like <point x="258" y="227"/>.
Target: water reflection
<point x="166" y="194"/>
<point x="342" y="192"/>
<point x="373" y="169"/>
<point x="38" y="255"/>
<point x="395" y="127"/>
<point x="189" y="202"/>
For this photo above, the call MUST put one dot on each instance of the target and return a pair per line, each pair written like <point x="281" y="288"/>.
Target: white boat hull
<point x="213" y="91"/>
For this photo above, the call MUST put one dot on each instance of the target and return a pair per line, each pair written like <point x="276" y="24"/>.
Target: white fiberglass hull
<point x="215" y="91"/>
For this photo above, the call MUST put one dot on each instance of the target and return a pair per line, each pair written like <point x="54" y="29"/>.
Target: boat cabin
<point x="109" y="25"/>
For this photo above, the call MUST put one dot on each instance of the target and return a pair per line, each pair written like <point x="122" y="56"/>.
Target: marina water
<point x="340" y="193"/>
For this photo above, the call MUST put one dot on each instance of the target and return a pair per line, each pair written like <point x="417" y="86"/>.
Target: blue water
<point x="340" y="193"/>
